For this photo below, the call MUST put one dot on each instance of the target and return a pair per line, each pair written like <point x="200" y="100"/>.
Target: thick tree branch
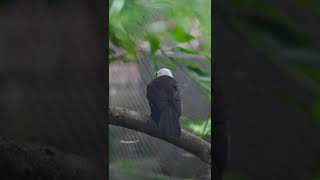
<point x="133" y="120"/>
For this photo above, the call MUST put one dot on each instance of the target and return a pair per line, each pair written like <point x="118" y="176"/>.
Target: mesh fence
<point x="134" y="155"/>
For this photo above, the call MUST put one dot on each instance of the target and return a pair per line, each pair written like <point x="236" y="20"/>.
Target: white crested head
<point x="164" y="72"/>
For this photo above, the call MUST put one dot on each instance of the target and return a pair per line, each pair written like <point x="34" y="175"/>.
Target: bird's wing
<point x="154" y="102"/>
<point x="176" y="98"/>
<point x="169" y="117"/>
<point x="158" y="98"/>
<point x="150" y="97"/>
<point x="148" y="92"/>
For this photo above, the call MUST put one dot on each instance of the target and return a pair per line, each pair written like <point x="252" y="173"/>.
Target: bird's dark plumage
<point x="165" y="104"/>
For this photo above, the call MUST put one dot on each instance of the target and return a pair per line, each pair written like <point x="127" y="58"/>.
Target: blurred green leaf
<point x="209" y="96"/>
<point x="206" y="126"/>
<point x="184" y="50"/>
<point x="154" y="43"/>
<point x="180" y="35"/>
<point x="200" y="128"/>
<point x="199" y="76"/>
<point x="197" y="70"/>
<point x="154" y="63"/>
<point x="186" y="62"/>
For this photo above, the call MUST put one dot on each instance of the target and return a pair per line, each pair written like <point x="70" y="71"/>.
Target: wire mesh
<point x="148" y="157"/>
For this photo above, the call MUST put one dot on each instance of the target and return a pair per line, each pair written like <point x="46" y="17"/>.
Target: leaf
<point x="185" y="62"/>
<point x="197" y="70"/>
<point x="181" y="49"/>
<point x="209" y="96"/>
<point x="200" y="77"/>
<point x="180" y="35"/>
<point x="206" y="83"/>
<point x="198" y="127"/>
<point x="154" y="43"/>
<point x="206" y="126"/>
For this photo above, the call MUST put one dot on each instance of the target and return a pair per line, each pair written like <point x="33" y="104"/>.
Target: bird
<point x="164" y="99"/>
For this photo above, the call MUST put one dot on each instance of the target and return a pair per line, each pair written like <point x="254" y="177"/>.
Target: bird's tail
<point x="169" y="123"/>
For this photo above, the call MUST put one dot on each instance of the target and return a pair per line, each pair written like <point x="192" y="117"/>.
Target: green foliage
<point x="163" y="24"/>
<point x="166" y="25"/>
<point x="184" y="50"/>
<point x="154" y="43"/>
<point x="180" y="35"/>
<point x="200" y="128"/>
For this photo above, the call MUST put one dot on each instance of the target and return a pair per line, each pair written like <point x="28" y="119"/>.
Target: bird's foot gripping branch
<point x="123" y="117"/>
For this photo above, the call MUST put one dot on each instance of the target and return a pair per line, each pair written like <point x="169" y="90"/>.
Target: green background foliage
<point x="166" y="26"/>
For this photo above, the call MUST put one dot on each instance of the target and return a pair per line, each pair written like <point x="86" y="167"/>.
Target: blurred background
<point x="143" y="37"/>
<point x="52" y="82"/>
<point x="267" y="64"/>
<point x="267" y="59"/>
<point x="52" y="76"/>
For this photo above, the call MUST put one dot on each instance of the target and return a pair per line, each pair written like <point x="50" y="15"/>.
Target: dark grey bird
<point x="165" y="103"/>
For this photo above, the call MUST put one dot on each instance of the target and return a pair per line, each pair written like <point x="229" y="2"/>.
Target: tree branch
<point x="133" y="120"/>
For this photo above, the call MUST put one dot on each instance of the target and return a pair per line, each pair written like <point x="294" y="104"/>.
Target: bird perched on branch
<point x="165" y="103"/>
